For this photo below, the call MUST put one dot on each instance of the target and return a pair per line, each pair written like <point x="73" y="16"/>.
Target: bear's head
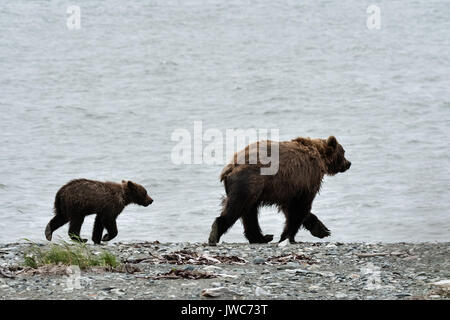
<point x="335" y="157"/>
<point x="137" y="193"/>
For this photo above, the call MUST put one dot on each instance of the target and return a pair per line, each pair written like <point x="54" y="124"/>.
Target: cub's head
<point x="137" y="193"/>
<point x="335" y="158"/>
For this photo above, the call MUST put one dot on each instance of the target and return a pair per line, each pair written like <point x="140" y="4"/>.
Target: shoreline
<point x="190" y="271"/>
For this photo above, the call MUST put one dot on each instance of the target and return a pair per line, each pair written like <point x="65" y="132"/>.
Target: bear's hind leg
<point x="74" y="229"/>
<point x="232" y="210"/>
<point x="252" y="229"/>
<point x="55" y="223"/>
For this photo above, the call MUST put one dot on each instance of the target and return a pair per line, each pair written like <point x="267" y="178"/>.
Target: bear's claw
<point x="320" y="231"/>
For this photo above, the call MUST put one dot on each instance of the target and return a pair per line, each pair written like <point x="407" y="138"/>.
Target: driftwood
<point x="5" y="274"/>
<point x="187" y="257"/>
<point x="185" y="274"/>
<point x="375" y="254"/>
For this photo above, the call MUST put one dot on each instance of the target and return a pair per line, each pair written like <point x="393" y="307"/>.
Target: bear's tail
<point x="223" y="176"/>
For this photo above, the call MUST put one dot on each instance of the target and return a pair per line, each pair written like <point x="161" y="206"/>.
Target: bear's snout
<point x="346" y="166"/>
<point x="148" y="201"/>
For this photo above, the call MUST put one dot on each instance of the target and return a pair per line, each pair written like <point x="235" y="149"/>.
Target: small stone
<point x="259" y="260"/>
<point x="442" y="286"/>
<point x="217" y="292"/>
<point x="189" y="268"/>
<point x="284" y="243"/>
<point x="260" y="292"/>
<point x="400" y="295"/>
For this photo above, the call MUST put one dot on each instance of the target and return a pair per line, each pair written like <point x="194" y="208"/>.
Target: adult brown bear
<point x="302" y="164"/>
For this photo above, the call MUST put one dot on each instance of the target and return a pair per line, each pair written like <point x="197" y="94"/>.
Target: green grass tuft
<point x="73" y="253"/>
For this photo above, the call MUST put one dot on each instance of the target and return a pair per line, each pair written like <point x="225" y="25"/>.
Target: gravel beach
<point x="153" y="270"/>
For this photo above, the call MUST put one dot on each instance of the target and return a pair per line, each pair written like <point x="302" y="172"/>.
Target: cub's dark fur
<point x="83" y="197"/>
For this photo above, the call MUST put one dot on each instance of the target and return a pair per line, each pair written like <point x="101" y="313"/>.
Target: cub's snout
<point x="148" y="201"/>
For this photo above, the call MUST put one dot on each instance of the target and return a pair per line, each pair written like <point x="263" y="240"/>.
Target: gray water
<point x="102" y="102"/>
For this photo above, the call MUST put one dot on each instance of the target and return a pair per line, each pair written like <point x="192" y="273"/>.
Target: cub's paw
<point x="76" y="238"/>
<point x="48" y="232"/>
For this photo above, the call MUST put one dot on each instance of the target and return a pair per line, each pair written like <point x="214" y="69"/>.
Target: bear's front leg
<point x="98" y="230"/>
<point x="252" y="229"/>
<point x="75" y="228"/>
<point x="315" y="226"/>
<point x="111" y="227"/>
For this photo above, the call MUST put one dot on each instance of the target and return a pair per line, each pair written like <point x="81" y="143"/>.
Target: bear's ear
<point x="131" y="185"/>
<point x="332" y="142"/>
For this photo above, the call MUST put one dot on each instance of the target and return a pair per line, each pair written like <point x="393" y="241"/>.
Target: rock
<point x="189" y="268"/>
<point x="340" y="295"/>
<point x="401" y="295"/>
<point x="117" y="291"/>
<point x="217" y="292"/>
<point x="212" y="268"/>
<point x="259" y="260"/>
<point x="261" y="292"/>
<point x="292" y="265"/>
<point x="284" y="243"/>
<point x="442" y="286"/>
<point x="216" y="284"/>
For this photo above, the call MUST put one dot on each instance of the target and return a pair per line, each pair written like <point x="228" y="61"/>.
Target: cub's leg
<point x="315" y="226"/>
<point x="98" y="230"/>
<point x="111" y="227"/>
<point x="75" y="227"/>
<point x="55" y="223"/>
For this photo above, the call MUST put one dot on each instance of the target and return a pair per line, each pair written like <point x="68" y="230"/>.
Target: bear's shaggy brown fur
<point x="83" y="197"/>
<point x="302" y="164"/>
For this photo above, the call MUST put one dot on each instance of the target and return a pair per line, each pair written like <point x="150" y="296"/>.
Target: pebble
<point x="259" y="260"/>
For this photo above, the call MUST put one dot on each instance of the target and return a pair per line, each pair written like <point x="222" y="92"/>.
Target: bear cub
<point x="82" y="197"/>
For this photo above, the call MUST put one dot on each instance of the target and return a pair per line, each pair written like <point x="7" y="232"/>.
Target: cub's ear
<point x="123" y="182"/>
<point x="332" y="142"/>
